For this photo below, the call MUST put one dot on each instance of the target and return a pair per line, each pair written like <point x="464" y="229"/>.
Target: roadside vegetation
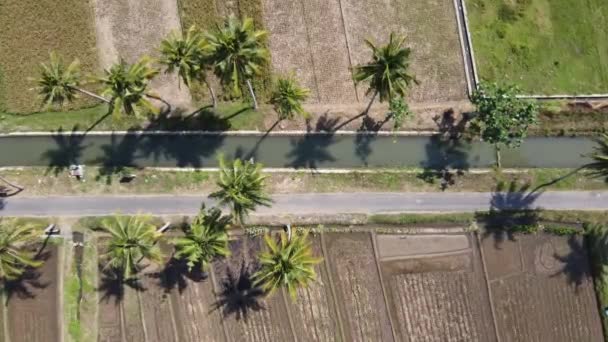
<point x="543" y="46"/>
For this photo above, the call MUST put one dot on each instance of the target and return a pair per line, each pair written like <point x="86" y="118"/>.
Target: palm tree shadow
<point x="238" y="295"/>
<point x="112" y="285"/>
<point x="310" y="150"/>
<point x="576" y="263"/>
<point x="68" y="152"/>
<point x="366" y="134"/>
<point x="254" y="150"/>
<point x="118" y="156"/>
<point x="26" y="285"/>
<point x="512" y="211"/>
<point x="446" y="158"/>
<point x="175" y="275"/>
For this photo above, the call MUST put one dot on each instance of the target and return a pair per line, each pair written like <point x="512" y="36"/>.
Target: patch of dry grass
<point x="30" y="30"/>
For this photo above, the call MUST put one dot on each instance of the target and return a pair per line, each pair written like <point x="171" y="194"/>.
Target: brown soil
<point x="550" y="297"/>
<point x="402" y="246"/>
<point x="156" y="305"/>
<point x="439" y="298"/>
<point x="33" y="304"/>
<point x="359" y="293"/>
<point x="130" y="29"/>
<point x="331" y="34"/>
<point x="313" y="311"/>
<point x="248" y="314"/>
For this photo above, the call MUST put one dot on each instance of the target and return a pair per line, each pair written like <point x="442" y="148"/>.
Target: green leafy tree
<point x="388" y="71"/>
<point x="188" y="56"/>
<point x="238" y="53"/>
<point x="59" y="83"/>
<point x="241" y="187"/>
<point x="502" y="118"/>
<point x="286" y="264"/>
<point x="205" y="239"/>
<point x="133" y="238"/>
<point x="288" y="97"/>
<point x="15" y="258"/>
<point x="126" y="85"/>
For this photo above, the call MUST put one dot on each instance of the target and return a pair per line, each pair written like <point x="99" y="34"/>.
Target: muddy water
<point x="304" y="151"/>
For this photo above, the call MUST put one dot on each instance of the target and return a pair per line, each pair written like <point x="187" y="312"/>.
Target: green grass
<point x="410" y="219"/>
<point x="229" y="116"/>
<point x="545" y="46"/>
<point x="30" y="30"/>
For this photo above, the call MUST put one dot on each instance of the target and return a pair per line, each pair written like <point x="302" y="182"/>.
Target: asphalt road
<point x="299" y="204"/>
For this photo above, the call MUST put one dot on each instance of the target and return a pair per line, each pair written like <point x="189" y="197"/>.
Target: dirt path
<point x="130" y="29"/>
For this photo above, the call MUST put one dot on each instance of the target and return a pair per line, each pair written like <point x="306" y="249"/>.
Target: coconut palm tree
<point x="238" y="53"/>
<point x="58" y="83"/>
<point x="286" y="264"/>
<point x="14" y="257"/>
<point x="599" y="167"/>
<point x="287" y="98"/>
<point x="126" y="85"/>
<point x="388" y="71"/>
<point x="241" y="187"/>
<point x="206" y="238"/>
<point x="133" y="238"/>
<point x="188" y="55"/>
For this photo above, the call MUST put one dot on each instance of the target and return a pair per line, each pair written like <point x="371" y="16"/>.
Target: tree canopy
<point x="287" y="98"/>
<point x="15" y="258"/>
<point x="502" y="118"/>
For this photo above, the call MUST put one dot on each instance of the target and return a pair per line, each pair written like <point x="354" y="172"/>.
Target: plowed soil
<point x="329" y="38"/>
<point x="359" y="293"/>
<point x="542" y="289"/>
<point x="313" y="311"/>
<point x="33" y="304"/>
<point x="247" y="314"/>
<point x="439" y="298"/>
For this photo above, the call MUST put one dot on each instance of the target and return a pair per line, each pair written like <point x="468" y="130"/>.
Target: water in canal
<point x="306" y="151"/>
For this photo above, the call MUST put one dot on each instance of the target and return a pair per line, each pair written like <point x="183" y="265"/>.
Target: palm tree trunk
<point x="11" y="184"/>
<point x="211" y="92"/>
<point x="255" y="101"/>
<point x="93" y="95"/>
<point x="370" y="103"/>
<point x="498" y="161"/>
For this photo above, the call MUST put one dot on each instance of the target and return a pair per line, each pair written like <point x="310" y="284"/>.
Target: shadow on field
<point x="238" y="296"/>
<point x="512" y="211"/>
<point x="175" y="275"/>
<point x="576" y="264"/>
<point x="112" y="285"/>
<point x="26" y="285"/>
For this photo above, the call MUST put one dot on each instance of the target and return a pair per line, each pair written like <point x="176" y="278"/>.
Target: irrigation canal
<point x="298" y="151"/>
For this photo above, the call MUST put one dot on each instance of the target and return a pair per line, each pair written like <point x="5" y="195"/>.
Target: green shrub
<point x="562" y="230"/>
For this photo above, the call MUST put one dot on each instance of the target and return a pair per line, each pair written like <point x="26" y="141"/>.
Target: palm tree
<point x="241" y="187"/>
<point x="387" y="72"/>
<point x="287" y="264"/>
<point x="126" y="85"/>
<point x="133" y="238"/>
<point x="288" y="97"/>
<point x="238" y="53"/>
<point x="599" y="167"/>
<point x="188" y="56"/>
<point x="205" y="239"/>
<point x="14" y="258"/>
<point x="58" y="84"/>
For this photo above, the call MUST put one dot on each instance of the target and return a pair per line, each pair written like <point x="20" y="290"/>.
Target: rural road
<point x="300" y="204"/>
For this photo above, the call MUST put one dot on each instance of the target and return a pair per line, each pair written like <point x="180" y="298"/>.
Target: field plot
<point x="358" y="289"/>
<point x="33" y="304"/>
<point x="542" y="289"/>
<point x="546" y="47"/>
<point x="329" y="38"/>
<point x="30" y="30"/>
<point x="130" y="29"/>
<point x="247" y="314"/>
<point x="436" y="287"/>
<point x="314" y="311"/>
